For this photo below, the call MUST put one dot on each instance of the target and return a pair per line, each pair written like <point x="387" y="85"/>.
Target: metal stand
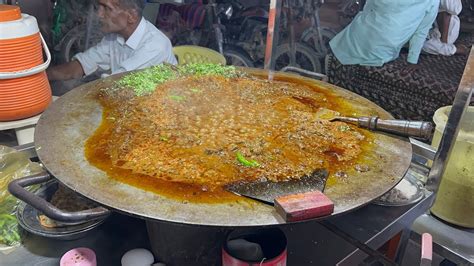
<point x="451" y="242"/>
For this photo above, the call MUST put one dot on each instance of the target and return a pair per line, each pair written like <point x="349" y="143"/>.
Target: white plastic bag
<point x="13" y="164"/>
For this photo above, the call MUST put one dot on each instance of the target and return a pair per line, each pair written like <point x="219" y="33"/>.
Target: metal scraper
<point x="296" y="199"/>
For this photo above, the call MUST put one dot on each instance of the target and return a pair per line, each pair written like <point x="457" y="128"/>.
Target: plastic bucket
<point x="455" y="200"/>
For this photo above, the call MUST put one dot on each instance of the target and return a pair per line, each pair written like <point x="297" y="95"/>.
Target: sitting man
<point x="131" y="43"/>
<point x="446" y="30"/>
<point x="378" y="33"/>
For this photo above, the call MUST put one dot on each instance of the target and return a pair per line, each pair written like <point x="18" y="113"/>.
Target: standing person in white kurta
<point x="131" y="43"/>
<point x="446" y="30"/>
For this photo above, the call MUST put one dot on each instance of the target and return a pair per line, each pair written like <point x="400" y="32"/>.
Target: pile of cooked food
<point x="66" y="200"/>
<point x="210" y="125"/>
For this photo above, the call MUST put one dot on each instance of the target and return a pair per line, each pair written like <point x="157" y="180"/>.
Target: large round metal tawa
<point x="65" y="126"/>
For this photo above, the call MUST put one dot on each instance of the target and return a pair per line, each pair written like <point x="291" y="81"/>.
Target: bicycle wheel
<point x="305" y="57"/>
<point x="237" y="57"/>
<point x="75" y="42"/>
<point x="310" y="38"/>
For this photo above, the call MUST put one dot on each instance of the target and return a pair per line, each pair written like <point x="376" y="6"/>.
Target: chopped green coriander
<point x="200" y="69"/>
<point x="144" y="82"/>
<point x="344" y="128"/>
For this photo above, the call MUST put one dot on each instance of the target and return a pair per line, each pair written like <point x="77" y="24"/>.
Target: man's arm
<point x="84" y="63"/>
<point x="443" y="19"/>
<point x="70" y="70"/>
<point x="419" y="37"/>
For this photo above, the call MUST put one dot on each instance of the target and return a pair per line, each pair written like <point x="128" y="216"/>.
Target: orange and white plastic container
<point x="24" y="86"/>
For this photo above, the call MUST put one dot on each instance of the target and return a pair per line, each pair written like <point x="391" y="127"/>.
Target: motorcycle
<point x="348" y="9"/>
<point x="234" y="53"/>
<point x="316" y="35"/>
<point x="246" y="28"/>
<point x="200" y="24"/>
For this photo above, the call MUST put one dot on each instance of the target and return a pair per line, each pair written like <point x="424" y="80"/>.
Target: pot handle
<point x="30" y="71"/>
<point x="17" y="189"/>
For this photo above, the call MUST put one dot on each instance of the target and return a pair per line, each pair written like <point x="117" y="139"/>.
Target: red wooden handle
<point x="304" y="206"/>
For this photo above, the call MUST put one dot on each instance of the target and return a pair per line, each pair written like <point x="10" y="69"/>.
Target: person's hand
<point x="461" y="49"/>
<point x="410" y="69"/>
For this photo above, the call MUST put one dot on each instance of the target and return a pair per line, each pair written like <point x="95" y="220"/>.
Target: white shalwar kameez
<point x="434" y="45"/>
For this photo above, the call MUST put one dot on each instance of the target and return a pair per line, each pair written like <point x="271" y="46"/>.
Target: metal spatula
<point x="296" y="199"/>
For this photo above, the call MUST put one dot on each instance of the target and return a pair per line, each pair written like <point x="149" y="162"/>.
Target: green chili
<point x="245" y="162"/>
<point x="177" y="98"/>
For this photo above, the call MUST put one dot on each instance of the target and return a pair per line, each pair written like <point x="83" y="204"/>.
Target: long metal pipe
<point x="272" y="34"/>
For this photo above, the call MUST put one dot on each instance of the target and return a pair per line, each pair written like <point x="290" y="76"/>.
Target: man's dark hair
<point x="136" y="5"/>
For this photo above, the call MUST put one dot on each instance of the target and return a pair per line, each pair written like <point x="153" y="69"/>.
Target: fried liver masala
<point x="194" y="134"/>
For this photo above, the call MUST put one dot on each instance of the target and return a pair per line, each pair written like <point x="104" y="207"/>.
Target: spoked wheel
<point x="75" y="42"/>
<point x="304" y="57"/>
<point x="235" y="57"/>
<point x="310" y="37"/>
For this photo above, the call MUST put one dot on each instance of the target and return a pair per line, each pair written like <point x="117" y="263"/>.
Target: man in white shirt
<point x="446" y="31"/>
<point x="131" y="43"/>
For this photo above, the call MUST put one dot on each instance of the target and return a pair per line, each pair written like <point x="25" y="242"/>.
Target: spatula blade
<point x="268" y="191"/>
